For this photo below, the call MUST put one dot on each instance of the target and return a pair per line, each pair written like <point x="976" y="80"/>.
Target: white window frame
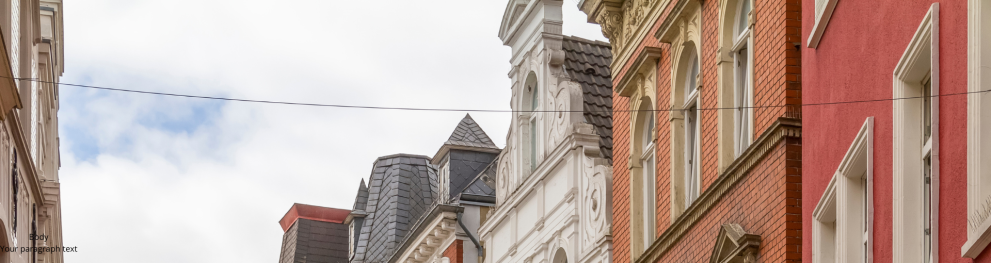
<point x="824" y="10"/>
<point x="978" y="125"/>
<point x="692" y="178"/>
<point x="743" y="95"/>
<point x="843" y="225"/>
<point x="648" y="162"/>
<point x="920" y="60"/>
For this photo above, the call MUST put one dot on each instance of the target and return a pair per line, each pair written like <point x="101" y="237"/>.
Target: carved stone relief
<point x="619" y="25"/>
<point x="594" y="201"/>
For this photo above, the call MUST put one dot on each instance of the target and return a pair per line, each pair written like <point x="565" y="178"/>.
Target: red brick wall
<point x="621" y="179"/>
<point x="767" y="202"/>
<point x="455" y="252"/>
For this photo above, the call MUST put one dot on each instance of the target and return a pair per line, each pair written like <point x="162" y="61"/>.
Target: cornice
<point x="781" y="129"/>
<point x="630" y="44"/>
<point x="648" y="54"/>
<point x="669" y="20"/>
<point x="570" y="142"/>
<point x="438" y="224"/>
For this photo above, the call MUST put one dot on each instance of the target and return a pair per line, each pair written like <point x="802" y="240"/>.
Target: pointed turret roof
<point x="362" y="198"/>
<point x="468" y="133"/>
<point x="467" y="136"/>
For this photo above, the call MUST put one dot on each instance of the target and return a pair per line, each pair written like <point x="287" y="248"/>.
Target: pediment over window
<point x="733" y="245"/>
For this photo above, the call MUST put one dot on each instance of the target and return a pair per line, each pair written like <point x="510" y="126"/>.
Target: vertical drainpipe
<point x="478" y="246"/>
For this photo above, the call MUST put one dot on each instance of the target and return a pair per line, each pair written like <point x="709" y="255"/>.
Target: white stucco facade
<point x="552" y="195"/>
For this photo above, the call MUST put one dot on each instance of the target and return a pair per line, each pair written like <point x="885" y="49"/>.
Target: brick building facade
<point x="707" y="140"/>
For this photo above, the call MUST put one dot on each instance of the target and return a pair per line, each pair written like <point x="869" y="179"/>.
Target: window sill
<point x="974" y="247"/>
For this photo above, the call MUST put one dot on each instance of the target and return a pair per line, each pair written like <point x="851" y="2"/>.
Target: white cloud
<point x="157" y="179"/>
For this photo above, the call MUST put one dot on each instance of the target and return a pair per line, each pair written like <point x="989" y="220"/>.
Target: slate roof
<point x="468" y="133"/>
<point x="314" y="241"/>
<point x="464" y="166"/>
<point x="362" y="199"/>
<point x="401" y="189"/>
<point x="484" y="183"/>
<point x="587" y="62"/>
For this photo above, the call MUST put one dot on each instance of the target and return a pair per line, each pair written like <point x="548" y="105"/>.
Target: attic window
<point x="589" y="70"/>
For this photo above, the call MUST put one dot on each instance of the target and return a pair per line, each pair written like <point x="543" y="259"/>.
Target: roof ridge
<point x="588" y="41"/>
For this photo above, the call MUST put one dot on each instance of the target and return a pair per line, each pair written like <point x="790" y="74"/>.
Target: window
<point x="842" y="226"/>
<point x="531" y="128"/>
<point x="691" y="130"/>
<point x="978" y="127"/>
<point x="915" y="163"/>
<point x="643" y="177"/>
<point x="824" y="10"/>
<point x="743" y="91"/>
<point x="648" y="162"/>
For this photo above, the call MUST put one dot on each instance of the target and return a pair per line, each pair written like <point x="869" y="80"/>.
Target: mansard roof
<point x="401" y="189"/>
<point x="587" y="63"/>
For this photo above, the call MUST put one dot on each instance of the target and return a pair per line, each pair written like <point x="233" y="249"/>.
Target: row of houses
<point x="704" y="131"/>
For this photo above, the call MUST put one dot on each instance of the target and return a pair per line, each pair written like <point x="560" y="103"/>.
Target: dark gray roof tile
<point x="587" y="62"/>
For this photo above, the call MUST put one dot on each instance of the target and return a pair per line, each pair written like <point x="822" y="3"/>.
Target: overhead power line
<point x="466" y="110"/>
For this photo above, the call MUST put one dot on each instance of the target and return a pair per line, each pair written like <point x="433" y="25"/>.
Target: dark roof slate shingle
<point x="362" y="199"/>
<point x="401" y="189"/>
<point x="484" y="183"/>
<point x="587" y="62"/>
<point x="468" y="133"/>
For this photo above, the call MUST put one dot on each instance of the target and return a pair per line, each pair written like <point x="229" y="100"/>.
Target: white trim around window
<point x="824" y="10"/>
<point x="978" y="128"/>
<point x="843" y="226"/>
<point x="914" y="221"/>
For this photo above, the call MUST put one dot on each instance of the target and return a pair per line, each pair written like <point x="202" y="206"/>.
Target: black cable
<point x="468" y="110"/>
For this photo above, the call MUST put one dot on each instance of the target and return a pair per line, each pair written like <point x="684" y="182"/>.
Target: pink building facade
<point x="897" y="130"/>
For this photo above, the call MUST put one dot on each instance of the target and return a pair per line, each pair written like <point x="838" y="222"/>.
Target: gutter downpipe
<point x="478" y="246"/>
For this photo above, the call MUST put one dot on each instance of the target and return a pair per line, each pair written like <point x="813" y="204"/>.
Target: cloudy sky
<point x="160" y="179"/>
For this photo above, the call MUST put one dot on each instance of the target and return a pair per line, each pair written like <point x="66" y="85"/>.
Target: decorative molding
<point x="978" y="141"/>
<point x="780" y="130"/>
<point x="921" y="58"/>
<point x="649" y="54"/>
<point x="741" y="244"/>
<point x="623" y="23"/>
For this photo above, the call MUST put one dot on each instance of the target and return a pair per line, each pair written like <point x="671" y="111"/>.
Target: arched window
<point x="648" y="170"/>
<point x="560" y="256"/>
<point x="532" y="105"/>
<point x="743" y="89"/>
<point x="691" y="144"/>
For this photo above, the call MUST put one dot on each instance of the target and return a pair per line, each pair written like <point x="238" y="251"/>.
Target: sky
<point x="162" y="179"/>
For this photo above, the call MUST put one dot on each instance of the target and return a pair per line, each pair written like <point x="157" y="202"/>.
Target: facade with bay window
<point x="707" y="137"/>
